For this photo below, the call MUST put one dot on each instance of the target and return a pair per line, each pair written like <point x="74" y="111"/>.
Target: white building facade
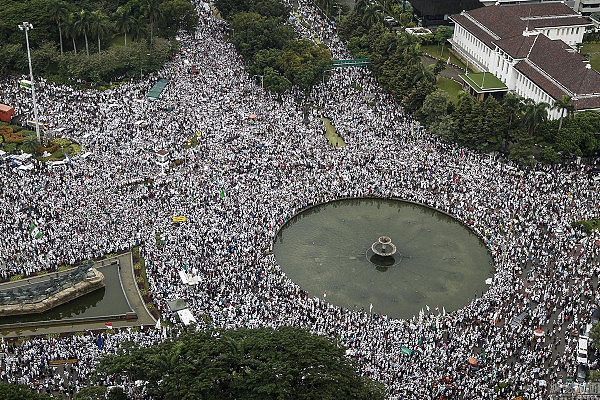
<point x="530" y="48"/>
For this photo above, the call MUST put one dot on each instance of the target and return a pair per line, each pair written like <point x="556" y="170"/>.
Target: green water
<point x="109" y="300"/>
<point x="442" y="263"/>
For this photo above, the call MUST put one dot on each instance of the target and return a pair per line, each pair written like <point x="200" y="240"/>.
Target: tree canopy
<point x="283" y="363"/>
<point x="262" y="35"/>
<point x="61" y="30"/>
<point x="9" y="391"/>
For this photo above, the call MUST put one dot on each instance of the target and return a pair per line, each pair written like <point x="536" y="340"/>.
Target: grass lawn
<point x="331" y="135"/>
<point x="450" y="87"/>
<point x="434" y="51"/>
<point x="483" y="81"/>
<point x="592" y="50"/>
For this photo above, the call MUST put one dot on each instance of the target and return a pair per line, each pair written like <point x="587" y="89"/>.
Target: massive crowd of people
<point x="247" y="176"/>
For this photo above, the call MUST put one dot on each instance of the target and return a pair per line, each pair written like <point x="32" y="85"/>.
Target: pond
<point x="439" y="262"/>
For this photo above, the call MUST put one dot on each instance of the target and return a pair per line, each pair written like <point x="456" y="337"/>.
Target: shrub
<point x="10" y="147"/>
<point x="73" y="149"/>
<point x="587" y="226"/>
<point x="62" y="142"/>
<point x="51" y="149"/>
<point x="16" y="277"/>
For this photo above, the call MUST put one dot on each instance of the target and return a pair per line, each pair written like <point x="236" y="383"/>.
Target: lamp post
<point x="26" y="26"/>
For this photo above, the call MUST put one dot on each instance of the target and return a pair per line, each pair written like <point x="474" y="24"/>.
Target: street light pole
<point x="26" y="26"/>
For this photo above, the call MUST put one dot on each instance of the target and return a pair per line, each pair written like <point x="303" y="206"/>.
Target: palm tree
<point x="422" y="73"/>
<point x="563" y="105"/>
<point x="153" y="13"/>
<point x="82" y="24"/>
<point x="71" y="30"/>
<point x="361" y="6"/>
<point x="58" y="13"/>
<point x="138" y="27"/>
<point x="124" y="21"/>
<point x="30" y="144"/>
<point x="371" y="16"/>
<point x="512" y="104"/>
<point x="535" y="114"/>
<point x="99" y="25"/>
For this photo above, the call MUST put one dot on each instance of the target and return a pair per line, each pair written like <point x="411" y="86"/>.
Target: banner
<point x="179" y="218"/>
<point x="34" y="231"/>
<point x="406" y="350"/>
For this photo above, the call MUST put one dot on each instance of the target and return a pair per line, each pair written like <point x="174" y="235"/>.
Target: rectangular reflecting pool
<point x="107" y="302"/>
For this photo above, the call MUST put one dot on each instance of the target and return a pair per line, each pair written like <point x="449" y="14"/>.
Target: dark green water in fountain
<point x="110" y="300"/>
<point x="439" y="262"/>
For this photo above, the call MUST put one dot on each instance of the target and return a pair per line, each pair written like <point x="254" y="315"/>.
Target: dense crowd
<point x="246" y="177"/>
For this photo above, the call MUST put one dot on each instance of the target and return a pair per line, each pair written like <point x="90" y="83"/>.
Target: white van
<point x="582" y="348"/>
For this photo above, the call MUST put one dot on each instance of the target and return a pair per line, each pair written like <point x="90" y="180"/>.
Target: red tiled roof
<point x="472" y="27"/>
<point x="587" y="103"/>
<point x="549" y="56"/>
<point x="555" y="22"/>
<point x="544" y="83"/>
<point x="498" y="20"/>
<point x="516" y="46"/>
<point x="540" y="10"/>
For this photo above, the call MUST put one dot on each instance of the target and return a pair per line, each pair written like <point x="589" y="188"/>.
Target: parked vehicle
<point x="582" y="350"/>
<point x="582" y="373"/>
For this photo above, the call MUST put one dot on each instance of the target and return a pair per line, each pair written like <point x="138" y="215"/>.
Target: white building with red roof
<point x="531" y="49"/>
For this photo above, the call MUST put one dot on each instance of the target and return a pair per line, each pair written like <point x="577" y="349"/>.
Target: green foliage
<point x="269" y="8"/>
<point x="11" y="391"/>
<point x="71" y="25"/>
<point x="30" y="144"/>
<point x="434" y="108"/>
<point x="117" y="393"/>
<point x="105" y="66"/>
<point x="595" y="335"/>
<point x="594" y="375"/>
<point x="588" y="226"/>
<point x="91" y="393"/>
<point x="244" y="364"/>
<point x="303" y="63"/>
<point x="262" y="36"/>
<point x="10" y="147"/>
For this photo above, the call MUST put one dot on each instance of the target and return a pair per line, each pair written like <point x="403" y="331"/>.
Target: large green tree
<point x="286" y="363"/>
<point x="123" y="21"/>
<point x="564" y="104"/>
<point x="58" y="11"/>
<point x="9" y="391"/>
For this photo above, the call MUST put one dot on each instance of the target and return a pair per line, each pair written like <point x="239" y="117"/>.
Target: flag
<point x="406" y="350"/>
<point x="69" y="160"/>
<point x="34" y="231"/>
<point x="108" y="325"/>
<point x="100" y="342"/>
<point x="437" y="308"/>
<point x="222" y="194"/>
<point x="157" y="326"/>
<point x="370" y="307"/>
